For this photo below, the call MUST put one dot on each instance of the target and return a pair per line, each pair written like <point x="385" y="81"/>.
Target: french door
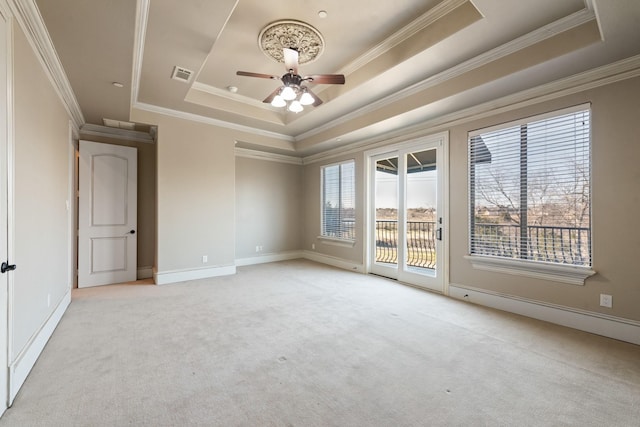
<point x="406" y="213"/>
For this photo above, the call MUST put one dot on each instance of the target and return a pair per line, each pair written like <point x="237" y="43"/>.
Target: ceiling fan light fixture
<point x="278" y="101"/>
<point x="288" y="94"/>
<point x="296" y="107"/>
<point x="306" y="98"/>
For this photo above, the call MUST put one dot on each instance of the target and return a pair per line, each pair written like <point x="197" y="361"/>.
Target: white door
<point x="406" y="227"/>
<point x="107" y="211"/>
<point x="6" y="270"/>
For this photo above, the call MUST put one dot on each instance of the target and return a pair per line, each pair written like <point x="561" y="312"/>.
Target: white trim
<point x="611" y="73"/>
<point x="28" y="16"/>
<point x="10" y="200"/>
<point x="20" y="368"/>
<point x="492" y="55"/>
<point x="210" y="121"/>
<point x="571" y="274"/>
<point x="173" y="276"/>
<point x="144" y="273"/>
<point x="222" y="93"/>
<point x="121" y="134"/>
<point x="434" y="14"/>
<point x="71" y="206"/>
<point x="272" y="257"/>
<point x="595" y="323"/>
<point x="535" y="118"/>
<point x="334" y="261"/>
<point x="334" y="241"/>
<point x="263" y="155"/>
<point x="142" y="16"/>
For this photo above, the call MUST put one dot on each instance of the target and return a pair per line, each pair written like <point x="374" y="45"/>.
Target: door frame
<point x="8" y="153"/>
<point x="85" y="178"/>
<point x="442" y="141"/>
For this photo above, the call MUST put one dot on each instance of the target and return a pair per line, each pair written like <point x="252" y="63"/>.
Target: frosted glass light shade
<point x="306" y="99"/>
<point x="296" y="107"/>
<point x="278" y="101"/>
<point x="288" y="93"/>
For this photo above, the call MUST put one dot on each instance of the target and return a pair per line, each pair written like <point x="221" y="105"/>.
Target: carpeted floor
<point x="302" y="344"/>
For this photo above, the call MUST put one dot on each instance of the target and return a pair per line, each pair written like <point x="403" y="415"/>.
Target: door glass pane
<point x="386" y="205"/>
<point x="422" y="215"/>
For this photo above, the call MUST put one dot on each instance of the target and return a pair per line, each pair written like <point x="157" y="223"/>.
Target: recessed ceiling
<point x="405" y="61"/>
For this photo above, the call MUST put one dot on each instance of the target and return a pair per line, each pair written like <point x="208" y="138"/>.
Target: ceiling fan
<point x="293" y="93"/>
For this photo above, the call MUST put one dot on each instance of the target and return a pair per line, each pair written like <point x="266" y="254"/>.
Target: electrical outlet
<point x="257" y="248"/>
<point x="313" y="246"/>
<point x="606" y="300"/>
<point x="205" y="259"/>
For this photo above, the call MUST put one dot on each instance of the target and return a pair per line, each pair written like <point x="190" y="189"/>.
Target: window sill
<point x="572" y="274"/>
<point x="347" y="243"/>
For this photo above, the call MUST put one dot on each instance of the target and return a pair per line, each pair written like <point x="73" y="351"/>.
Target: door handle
<point x="132" y="232"/>
<point x="7" y="267"/>
<point x="439" y="233"/>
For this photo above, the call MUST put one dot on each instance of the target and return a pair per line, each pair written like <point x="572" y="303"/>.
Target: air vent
<point x="181" y="74"/>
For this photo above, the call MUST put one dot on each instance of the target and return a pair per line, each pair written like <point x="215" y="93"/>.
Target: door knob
<point x="7" y="267"/>
<point x="132" y="232"/>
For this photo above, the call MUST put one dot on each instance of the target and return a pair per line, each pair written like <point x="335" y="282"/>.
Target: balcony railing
<point x="564" y="245"/>
<point x="421" y="243"/>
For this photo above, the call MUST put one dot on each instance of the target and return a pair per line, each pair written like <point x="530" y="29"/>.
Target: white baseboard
<point x="588" y="321"/>
<point x="144" y="273"/>
<point x="20" y="368"/>
<point x="272" y="257"/>
<point x="173" y="276"/>
<point x="334" y="261"/>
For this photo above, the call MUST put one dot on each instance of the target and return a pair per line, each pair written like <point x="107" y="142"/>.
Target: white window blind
<point x="338" y="201"/>
<point x="530" y="190"/>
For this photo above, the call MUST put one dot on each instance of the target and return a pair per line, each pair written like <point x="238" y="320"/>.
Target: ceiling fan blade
<point x="291" y="59"/>
<point x="316" y="101"/>
<point x="259" y="75"/>
<point x="272" y="95"/>
<point x="326" y="79"/>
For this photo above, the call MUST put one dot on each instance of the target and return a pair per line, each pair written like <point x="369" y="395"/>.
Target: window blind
<point x="338" y="201"/>
<point x="530" y="190"/>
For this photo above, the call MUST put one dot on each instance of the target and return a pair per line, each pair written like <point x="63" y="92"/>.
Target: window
<point x="338" y="201"/>
<point x="530" y="190"/>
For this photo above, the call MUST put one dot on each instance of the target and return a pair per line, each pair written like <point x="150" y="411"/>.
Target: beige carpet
<point x="301" y="344"/>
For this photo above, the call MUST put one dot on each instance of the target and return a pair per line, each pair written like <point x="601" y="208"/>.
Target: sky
<point x="421" y="190"/>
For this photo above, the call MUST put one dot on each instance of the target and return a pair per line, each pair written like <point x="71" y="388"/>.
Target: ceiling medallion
<point x="291" y="34"/>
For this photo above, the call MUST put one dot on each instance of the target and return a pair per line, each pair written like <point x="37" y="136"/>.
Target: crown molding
<point x="262" y="155"/>
<point x="212" y="90"/>
<point x="210" y="121"/>
<point x="28" y="16"/>
<point x="121" y="134"/>
<point x="536" y="36"/>
<point x="432" y="15"/>
<point x="142" y="17"/>
<point x="618" y="71"/>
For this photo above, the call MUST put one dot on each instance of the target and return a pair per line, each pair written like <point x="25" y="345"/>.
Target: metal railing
<point x="563" y="245"/>
<point x="421" y="243"/>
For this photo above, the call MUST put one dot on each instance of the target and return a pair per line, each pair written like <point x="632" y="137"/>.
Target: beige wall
<point x="146" y="196"/>
<point x="268" y="207"/>
<point x="42" y="181"/>
<point x="616" y="202"/>
<point x="195" y="194"/>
